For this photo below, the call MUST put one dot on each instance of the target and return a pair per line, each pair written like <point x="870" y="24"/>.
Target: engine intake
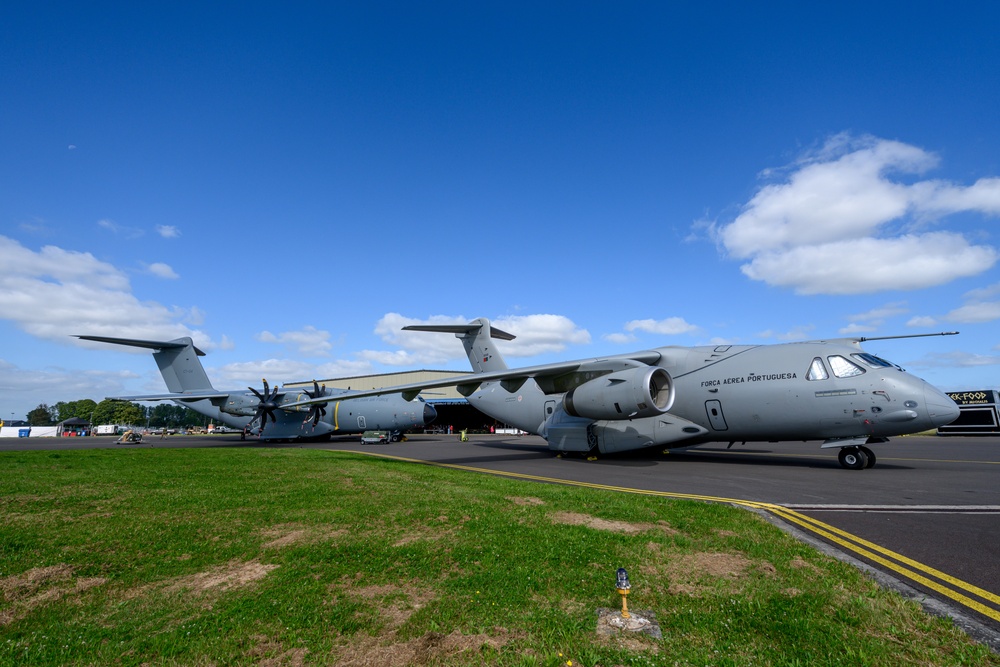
<point x="645" y="391"/>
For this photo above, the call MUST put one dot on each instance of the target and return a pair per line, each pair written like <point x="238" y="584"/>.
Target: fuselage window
<point x="843" y="367"/>
<point x="817" y="371"/>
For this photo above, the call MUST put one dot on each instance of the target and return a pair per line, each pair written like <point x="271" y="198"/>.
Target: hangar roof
<point x="392" y="379"/>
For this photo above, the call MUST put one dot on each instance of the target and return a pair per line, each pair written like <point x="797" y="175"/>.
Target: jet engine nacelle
<point x="645" y="391"/>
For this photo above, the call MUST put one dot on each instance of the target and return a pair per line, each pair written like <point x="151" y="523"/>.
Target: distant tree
<point x="40" y="416"/>
<point x="174" y="416"/>
<point x="130" y="413"/>
<point x="119" y="412"/>
<point x="81" y="409"/>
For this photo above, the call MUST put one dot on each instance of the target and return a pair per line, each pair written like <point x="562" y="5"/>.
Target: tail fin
<point x="475" y="336"/>
<point x="177" y="359"/>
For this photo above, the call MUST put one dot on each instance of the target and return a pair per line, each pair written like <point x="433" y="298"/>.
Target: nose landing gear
<point x="856" y="458"/>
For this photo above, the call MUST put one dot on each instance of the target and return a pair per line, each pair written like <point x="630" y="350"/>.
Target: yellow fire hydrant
<point x="623" y="586"/>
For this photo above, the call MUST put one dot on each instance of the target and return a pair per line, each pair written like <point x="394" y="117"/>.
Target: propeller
<point x="267" y="404"/>
<point x="316" y="410"/>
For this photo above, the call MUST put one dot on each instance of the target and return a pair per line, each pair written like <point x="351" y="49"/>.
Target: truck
<point x="106" y="429"/>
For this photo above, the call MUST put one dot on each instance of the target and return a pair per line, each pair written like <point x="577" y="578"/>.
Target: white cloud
<point x="978" y="306"/>
<point x="973" y="313"/>
<point x="828" y="229"/>
<point x="870" y="321"/>
<point x="309" y="340"/>
<point x="843" y="267"/>
<point x="855" y="328"/>
<point x="921" y="321"/>
<point x="540" y="334"/>
<point x="168" y="231"/>
<point x="161" y="270"/>
<point x="53" y="293"/>
<point x="983" y="293"/>
<point x="115" y="228"/>
<point x="22" y="390"/>
<point x="619" y="338"/>
<point x="536" y="334"/>
<point x="796" y="333"/>
<point x="956" y="359"/>
<point x="880" y="314"/>
<point x="671" y="326"/>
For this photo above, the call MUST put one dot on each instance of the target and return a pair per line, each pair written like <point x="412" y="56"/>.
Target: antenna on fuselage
<point x="941" y="333"/>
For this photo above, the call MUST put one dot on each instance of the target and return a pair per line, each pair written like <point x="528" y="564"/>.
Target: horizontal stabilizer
<point x="148" y="344"/>
<point x="460" y="329"/>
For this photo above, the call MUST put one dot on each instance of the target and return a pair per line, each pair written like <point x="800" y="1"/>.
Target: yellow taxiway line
<point x="901" y="565"/>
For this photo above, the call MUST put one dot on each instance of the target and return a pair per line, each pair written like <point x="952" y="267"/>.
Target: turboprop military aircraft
<point x="676" y="397"/>
<point x="189" y="386"/>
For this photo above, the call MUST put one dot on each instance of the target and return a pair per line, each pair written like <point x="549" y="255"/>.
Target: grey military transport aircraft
<point x="189" y="386"/>
<point x="676" y="397"/>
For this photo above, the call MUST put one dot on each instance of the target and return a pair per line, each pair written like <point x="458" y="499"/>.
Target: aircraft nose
<point x="940" y="408"/>
<point x="430" y="414"/>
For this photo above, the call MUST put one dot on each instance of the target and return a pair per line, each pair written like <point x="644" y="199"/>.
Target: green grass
<point x="291" y="557"/>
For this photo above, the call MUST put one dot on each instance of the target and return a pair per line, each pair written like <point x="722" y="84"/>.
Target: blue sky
<point x="290" y="184"/>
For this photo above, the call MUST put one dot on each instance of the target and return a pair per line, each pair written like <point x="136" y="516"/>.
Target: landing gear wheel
<point x="853" y="458"/>
<point x="871" y="456"/>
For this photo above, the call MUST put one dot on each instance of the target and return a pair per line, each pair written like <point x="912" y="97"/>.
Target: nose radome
<point x="940" y="408"/>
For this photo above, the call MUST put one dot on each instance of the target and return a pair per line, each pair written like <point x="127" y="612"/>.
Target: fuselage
<point x="342" y="415"/>
<point x="794" y="391"/>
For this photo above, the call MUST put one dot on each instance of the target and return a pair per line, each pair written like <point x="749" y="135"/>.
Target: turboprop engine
<point x="644" y="391"/>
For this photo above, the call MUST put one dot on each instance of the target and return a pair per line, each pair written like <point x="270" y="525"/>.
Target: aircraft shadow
<point x="518" y="451"/>
<point x="746" y="457"/>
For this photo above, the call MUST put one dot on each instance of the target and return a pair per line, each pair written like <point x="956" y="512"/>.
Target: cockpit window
<point x="843" y="367"/>
<point x="817" y="371"/>
<point x="873" y="361"/>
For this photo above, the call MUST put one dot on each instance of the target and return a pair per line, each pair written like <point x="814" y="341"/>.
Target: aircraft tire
<point x="853" y="458"/>
<point x="871" y="457"/>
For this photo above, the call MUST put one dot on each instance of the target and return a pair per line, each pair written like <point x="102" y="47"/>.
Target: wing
<point x="551" y="378"/>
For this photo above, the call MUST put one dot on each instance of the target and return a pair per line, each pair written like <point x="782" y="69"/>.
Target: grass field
<point x="301" y="557"/>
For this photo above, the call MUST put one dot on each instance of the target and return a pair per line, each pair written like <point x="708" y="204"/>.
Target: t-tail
<point x="475" y="336"/>
<point x="177" y="360"/>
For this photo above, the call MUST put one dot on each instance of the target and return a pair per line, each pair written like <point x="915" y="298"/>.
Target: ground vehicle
<point x="129" y="436"/>
<point x="106" y="429"/>
<point x="375" y="437"/>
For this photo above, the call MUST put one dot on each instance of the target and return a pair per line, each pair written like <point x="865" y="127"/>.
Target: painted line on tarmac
<point x="899" y="509"/>
<point x="894" y="562"/>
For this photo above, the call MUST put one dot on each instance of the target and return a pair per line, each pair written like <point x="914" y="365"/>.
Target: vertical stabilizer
<point x="177" y="360"/>
<point x="476" y="337"/>
<point x="483" y="354"/>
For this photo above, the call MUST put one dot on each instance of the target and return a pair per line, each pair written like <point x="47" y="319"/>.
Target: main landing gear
<point x="856" y="458"/>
